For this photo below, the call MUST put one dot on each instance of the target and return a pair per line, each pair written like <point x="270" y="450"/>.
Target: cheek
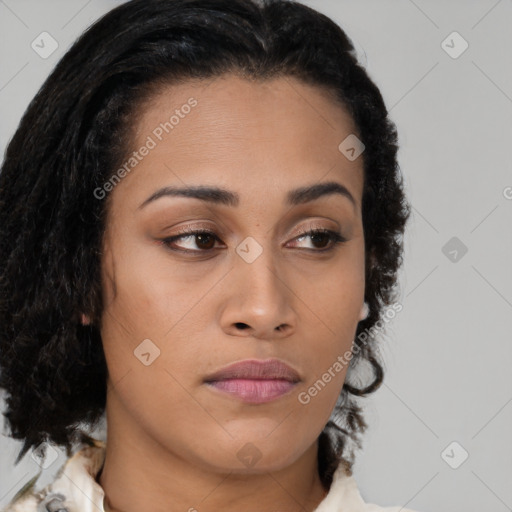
<point x="143" y="292"/>
<point x="319" y="395"/>
<point x="335" y="298"/>
<point x="151" y="309"/>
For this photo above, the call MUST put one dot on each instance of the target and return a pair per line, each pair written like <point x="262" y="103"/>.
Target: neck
<point x="141" y="474"/>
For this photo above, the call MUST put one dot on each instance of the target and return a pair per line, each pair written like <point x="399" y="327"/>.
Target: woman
<point x="201" y="220"/>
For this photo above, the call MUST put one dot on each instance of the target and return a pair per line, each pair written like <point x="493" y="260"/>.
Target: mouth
<point x="254" y="381"/>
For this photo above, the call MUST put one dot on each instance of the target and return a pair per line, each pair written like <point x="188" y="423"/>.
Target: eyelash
<point x="335" y="239"/>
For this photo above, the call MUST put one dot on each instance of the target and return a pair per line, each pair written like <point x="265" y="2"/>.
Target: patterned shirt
<point x="74" y="489"/>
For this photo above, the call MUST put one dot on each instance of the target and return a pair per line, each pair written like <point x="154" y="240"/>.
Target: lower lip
<point x="254" y="391"/>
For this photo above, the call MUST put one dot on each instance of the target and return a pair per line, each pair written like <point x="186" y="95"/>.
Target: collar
<point x="75" y="489"/>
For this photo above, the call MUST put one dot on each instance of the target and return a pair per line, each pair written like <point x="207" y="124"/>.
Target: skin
<point x="172" y="441"/>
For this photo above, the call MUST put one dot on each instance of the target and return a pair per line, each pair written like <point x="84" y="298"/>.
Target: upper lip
<point x="256" y="369"/>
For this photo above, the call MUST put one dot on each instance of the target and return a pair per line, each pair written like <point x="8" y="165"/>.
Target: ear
<point x="85" y="319"/>
<point x="365" y="311"/>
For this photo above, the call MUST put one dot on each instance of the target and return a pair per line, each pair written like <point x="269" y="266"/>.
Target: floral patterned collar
<point x="75" y="489"/>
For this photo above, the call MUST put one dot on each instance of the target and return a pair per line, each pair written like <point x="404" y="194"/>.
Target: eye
<point x="204" y="240"/>
<point x="319" y="236"/>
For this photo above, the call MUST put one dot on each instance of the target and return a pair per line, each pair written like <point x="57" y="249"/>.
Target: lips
<point x="254" y="381"/>
<point x="271" y="369"/>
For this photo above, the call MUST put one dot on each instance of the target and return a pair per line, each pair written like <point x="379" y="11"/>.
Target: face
<point x="253" y="284"/>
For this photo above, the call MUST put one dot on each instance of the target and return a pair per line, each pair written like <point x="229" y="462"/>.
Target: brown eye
<point x="203" y="241"/>
<point x="321" y="238"/>
<point x="326" y="238"/>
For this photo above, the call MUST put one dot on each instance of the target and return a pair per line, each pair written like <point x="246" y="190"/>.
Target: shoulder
<point x="344" y="493"/>
<point x="73" y="484"/>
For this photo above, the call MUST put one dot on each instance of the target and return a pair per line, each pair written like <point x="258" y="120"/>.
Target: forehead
<point x="257" y="107"/>
<point x="244" y="134"/>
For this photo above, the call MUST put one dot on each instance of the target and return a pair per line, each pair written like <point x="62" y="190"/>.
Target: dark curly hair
<point x="75" y="133"/>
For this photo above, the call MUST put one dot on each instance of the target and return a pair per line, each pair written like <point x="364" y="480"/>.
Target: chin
<point x="246" y="456"/>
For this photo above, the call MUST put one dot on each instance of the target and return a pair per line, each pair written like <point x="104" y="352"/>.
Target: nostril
<point x="241" y="325"/>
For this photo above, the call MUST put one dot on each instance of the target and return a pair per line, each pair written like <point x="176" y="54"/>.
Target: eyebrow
<point x="216" y="195"/>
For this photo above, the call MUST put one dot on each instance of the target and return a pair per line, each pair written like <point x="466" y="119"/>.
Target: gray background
<point x="449" y="352"/>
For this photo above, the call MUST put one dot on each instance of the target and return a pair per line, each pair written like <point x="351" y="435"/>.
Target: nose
<point x="258" y="301"/>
